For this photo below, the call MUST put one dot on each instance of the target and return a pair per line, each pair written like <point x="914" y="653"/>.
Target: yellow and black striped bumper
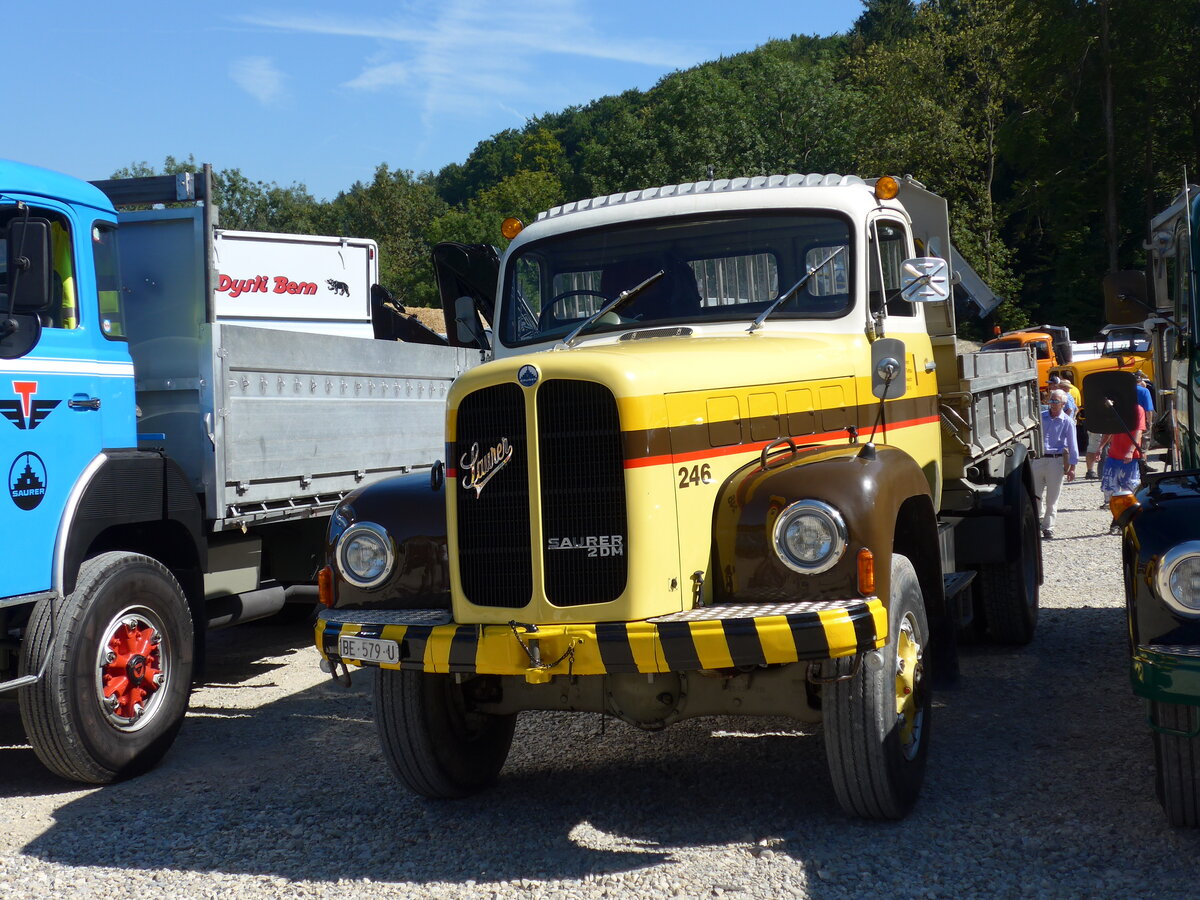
<point x="715" y="637"/>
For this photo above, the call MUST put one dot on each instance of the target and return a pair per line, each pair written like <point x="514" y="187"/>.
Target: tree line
<point x="1054" y="128"/>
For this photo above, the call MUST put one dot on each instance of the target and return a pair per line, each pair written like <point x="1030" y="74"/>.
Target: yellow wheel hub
<point x="908" y="678"/>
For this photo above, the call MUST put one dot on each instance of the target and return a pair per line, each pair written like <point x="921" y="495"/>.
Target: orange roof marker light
<point x="886" y="188"/>
<point x="511" y="227"/>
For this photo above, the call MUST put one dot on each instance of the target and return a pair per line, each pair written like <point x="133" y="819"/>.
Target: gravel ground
<point x="1040" y="784"/>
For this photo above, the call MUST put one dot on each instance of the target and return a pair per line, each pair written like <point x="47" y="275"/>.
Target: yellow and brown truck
<point x="726" y="460"/>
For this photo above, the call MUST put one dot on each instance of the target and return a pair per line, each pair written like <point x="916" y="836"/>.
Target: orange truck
<point x="1051" y="345"/>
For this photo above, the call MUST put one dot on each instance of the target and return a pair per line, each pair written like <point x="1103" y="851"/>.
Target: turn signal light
<point x="1121" y="502"/>
<point x="325" y="586"/>
<point x="866" y="572"/>
<point x="886" y="188"/>
<point x="511" y="227"/>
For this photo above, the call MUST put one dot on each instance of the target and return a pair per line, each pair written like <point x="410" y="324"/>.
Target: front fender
<point x="1168" y="515"/>
<point x="412" y="510"/>
<point x="868" y="491"/>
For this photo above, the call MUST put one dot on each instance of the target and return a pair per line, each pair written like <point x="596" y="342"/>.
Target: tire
<point x="1177" y="764"/>
<point x="434" y="741"/>
<point x="113" y="696"/>
<point x="877" y="721"/>
<point x="1009" y="591"/>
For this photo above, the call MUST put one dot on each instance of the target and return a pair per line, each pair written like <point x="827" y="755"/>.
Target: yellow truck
<point x="725" y="460"/>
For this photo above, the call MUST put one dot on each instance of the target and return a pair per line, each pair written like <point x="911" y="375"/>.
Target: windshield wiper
<point x="787" y="295"/>
<point x="620" y="300"/>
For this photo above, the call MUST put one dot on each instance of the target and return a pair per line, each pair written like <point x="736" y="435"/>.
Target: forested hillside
<point x="1055" y="128"/>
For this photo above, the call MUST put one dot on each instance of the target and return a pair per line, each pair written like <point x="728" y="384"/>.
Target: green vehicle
<point x="1161" y="542"/>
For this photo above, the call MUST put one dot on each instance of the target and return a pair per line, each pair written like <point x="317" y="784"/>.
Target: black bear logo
<point x="338" y="287"/>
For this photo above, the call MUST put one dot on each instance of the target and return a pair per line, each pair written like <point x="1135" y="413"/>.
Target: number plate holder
<point x="369" y="650"/>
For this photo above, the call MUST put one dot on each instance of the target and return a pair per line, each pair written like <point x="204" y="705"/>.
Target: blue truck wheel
<point x="118" y="655"/>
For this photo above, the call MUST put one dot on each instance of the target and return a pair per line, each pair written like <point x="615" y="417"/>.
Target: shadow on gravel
<point x="1031" y="756"/>
<point x="235" y="656"/>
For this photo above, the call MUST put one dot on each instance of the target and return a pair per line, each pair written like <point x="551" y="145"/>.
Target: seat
<point x="673" y="296"/>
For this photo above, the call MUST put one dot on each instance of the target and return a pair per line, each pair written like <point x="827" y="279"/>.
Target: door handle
<point x="85" y="403"/>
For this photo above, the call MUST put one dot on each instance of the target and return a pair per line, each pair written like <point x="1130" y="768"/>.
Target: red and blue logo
<point x="25" y="412"/>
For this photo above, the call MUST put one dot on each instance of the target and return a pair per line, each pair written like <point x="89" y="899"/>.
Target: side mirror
<point x="27" y="246"/>
<point x="18" y="334"/>
<point x="466" y="321"/>
<point x="925" y="279"/>
<point x="1126" y="297"/>
<point x="887" y="369"/>
<point x="1110" y="399"/>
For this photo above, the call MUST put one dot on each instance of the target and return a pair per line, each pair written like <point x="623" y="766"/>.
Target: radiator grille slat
<point x="583" y="493"/>
<point x="493" y="526"/>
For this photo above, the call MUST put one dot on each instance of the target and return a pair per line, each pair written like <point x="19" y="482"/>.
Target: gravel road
<point x="1040" y="784"/>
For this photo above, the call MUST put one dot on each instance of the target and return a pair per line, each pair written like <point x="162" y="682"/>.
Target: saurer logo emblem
<point x="26" y="413"/>
<point x="478" y="469"/>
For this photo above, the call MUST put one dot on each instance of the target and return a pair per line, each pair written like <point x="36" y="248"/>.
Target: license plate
<point x="368" y="650"/>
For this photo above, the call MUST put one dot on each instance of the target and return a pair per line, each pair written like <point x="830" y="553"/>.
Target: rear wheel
<point x="877" y="721"/>
<point x="433" y="738"/>
<point x="1177" y="763"/>
<point x="118" y="658"/>
<point x="1009" y="591"/>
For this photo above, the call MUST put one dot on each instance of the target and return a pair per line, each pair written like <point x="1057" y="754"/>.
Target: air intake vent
<point x="493" y="520"/>
<point x="583" y="493"/>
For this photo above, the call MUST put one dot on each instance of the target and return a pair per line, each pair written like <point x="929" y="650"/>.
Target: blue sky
<point x="321" y="93"/>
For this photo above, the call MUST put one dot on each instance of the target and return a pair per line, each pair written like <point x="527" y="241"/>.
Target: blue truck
<point x="166" y="445"/>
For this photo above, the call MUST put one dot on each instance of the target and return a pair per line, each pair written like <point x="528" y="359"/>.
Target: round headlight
<point x="810" y="536"/>
<point x="364" y="554"/>
<point x="1178" y="578"/>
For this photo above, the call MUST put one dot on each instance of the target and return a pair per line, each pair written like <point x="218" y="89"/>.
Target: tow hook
<point x="539" y="671"/>
<point x="330" y="668"/>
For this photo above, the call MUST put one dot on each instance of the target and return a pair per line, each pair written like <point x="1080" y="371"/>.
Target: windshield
<point x="1009" y="344"/>
<point x="1126" y="342"/>
<point x="721" y="269"/>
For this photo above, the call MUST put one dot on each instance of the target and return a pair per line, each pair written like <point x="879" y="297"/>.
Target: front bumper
<point x="1166" y="673"/>
<point x="714" y="637"/>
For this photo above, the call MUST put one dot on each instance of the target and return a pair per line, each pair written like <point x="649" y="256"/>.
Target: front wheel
<point x="433" y="737"/>
<point x="877" y="720"/>
<point x="1177" y="763"/>
<point x="118" y="658"/>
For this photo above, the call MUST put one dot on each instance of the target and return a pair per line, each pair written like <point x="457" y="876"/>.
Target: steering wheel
<point x="544" y="318"/>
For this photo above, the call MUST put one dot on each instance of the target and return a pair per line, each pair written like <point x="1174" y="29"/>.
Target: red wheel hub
<point x="133" y="674"/>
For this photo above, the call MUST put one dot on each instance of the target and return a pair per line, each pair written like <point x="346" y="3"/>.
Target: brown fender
<point x="883" y="497"/>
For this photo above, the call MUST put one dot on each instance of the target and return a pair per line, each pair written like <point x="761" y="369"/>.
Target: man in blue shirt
<point x="1146" y="401"/>
<point x="1060" y="453"/>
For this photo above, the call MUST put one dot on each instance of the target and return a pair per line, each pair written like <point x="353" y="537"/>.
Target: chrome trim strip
<point x="68" y="516"/>
<point x="385" y="616"/>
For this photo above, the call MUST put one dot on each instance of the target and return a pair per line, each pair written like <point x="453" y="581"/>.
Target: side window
<point x="833" y="278"/>
<point x="734" y="280"/>
<point x="1041" y="349"/>
<point x="108" y="281"/>
<point x="889" y="247"/>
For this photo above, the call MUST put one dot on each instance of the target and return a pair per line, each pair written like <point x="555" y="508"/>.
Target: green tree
<point x="243" y="204"/>
<point x="397" y="210"/>
<point x="522" y="195"/>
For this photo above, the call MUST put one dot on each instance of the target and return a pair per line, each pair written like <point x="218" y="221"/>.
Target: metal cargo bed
<point x="279" y="425"/>
<point x="995" y="407"/>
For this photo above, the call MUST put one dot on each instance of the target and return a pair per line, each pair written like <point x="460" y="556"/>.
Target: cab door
<point x="63" y="402"/>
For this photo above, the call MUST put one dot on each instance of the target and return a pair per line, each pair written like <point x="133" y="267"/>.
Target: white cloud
<point x="258" y="77"/>
<point x="467" y="55"/>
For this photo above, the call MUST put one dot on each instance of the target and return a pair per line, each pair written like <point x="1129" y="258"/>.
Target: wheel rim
<point x="133" y="664"/>
<point x="910" y="670"/>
